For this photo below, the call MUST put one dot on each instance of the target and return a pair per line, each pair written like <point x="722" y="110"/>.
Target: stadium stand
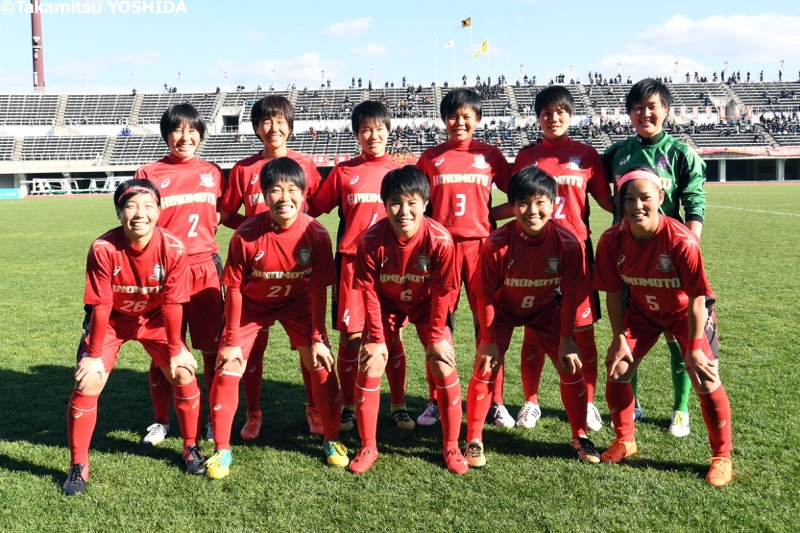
<point x="98" y="108"/>
<point x="28" y="109"/>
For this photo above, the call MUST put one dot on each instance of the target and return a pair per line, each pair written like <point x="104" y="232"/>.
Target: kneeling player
<point x="136" y="283"/>
<point x="404" y="267"/>
<point x="280" y="264"/>
<point x="523" y="267"/>
<point x="660" y="260"/>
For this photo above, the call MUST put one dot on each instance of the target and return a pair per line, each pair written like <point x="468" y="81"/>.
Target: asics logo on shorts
<point x="480" y="397"/>
<point x="218" y="407"/>
<point x="586" y="312"/>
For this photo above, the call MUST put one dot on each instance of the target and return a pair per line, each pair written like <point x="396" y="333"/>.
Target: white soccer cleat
<point x="529" y="414"/>
<point x="499" y="415"/>
<point x="593" y="419"/>
<point x="156" y="433"/>
<point x="679" y="427"/>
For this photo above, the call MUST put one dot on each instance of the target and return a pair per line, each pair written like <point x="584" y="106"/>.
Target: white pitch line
<point x="754" y="210"/>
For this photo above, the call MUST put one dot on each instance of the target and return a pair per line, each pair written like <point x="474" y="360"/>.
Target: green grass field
<point x="280" y="483"/>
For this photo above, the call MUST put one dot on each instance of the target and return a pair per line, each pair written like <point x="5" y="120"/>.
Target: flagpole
<point x="437" y="60"/>
<point x="488" y="60"/>
<point x="453" y="81"/>
<point x="471" y="61"/>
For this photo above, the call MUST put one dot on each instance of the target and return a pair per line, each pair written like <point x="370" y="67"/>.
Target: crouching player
<point x="404" y="268"/>
<point x="522" y="268"/>
<point x="660" y="260"/>
<point x="279" y="266"/>
<point x="136" y="282"/>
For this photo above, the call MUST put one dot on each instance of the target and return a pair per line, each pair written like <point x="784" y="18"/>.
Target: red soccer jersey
<point x="461" y="176"/>
<point x="663" y="272"/>
<point x="578" y="170"/>
<point x="136" y="282"/>
<point x="414" y="278"/>
<point x="190" y="191"/>
<point x="355" y="187"/>
<point x="523" y="275"/>
<point x="244" y="184"/>
<point x="272" y="266"/>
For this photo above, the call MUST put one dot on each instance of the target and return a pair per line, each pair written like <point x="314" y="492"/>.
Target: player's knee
<point x="93" y="385"/>
<point x="439" y="368"/>
<point x="183" y="376"/>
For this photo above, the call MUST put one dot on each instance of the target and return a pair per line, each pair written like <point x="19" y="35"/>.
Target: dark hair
<point x="405" y="181"/>
<point x="532" y="182"/>
<point x="272" y="106"/>
<point x="130" y="188"/>
<point x="370" y="111"/>
<point x="643" y="90"/>
<point x="282" y="169"/>
<point x="179" y="114"/>
<point x="554" y="95"/>
<point x="458" y="98"/>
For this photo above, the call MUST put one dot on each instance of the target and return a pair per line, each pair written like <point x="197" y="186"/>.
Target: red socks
<point x="532" y="361"/>
<point x="224" y="401"/>
<point x="187" y="407"/>
<point x="573" y="396"/>
<point x="479" y="401"/>
<point x="160" y="393"/>
<point x="368" y="393"/>
<point x="325" y="388"/>
<point x="81" y="420"/>
<point x="717" y="416"/>
<point x="396" y="373"/>
<point x="587" y="348"/>
<point x="621" y="403"/>
<point x="499" y="383"/>
<point x="254" y="373"/>
<point x="347" y="367"/>
<point x="449" y="391"/>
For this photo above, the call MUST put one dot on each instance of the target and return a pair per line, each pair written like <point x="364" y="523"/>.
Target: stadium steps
<point x="216" y="110"/>
<point x="587" y="102"/>
<point x="61" y="110"/>
<point x="772" y="141"/>
<point x="136" y="109"/>
<point x="17" y="155"/>
<point x="732" y="95"/>
<point x="512" y="99"/>
<point x="293" y="97"/>
<point x="110" y="145"/>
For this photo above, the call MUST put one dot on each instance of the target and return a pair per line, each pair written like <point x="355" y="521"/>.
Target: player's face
<point x="533" y="213"/>
<point x="274" y="133"/>
<point x="461" y="124"/>
<point x="640" y="205"/>
<point x="372" y="137"/>
<point x="648" y="116"/>
<point x="285" y="202"/>
<point x="405" y="213"/>
<point x="138" y="217"/>
<point x="555" y="121"/>
<point x="183" y="141"/>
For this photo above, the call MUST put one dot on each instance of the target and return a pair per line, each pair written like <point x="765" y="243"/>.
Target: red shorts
<point x="147" y="329"/>
<point x="587" y="312"/>
<point x="294" y="317"/>
<point x="642" y="333"/>
<point x="347" y="302"/>
<point x="465" y="264"/>
<point x="544" y="327"/>
<point x="203" y="313"/>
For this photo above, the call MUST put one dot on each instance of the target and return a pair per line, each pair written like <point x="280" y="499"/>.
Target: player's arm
<point x="607" y="278"/>
<point x="443" y="294"/>
<point x="691" y="179"/>
<point x="573" y="273"/>
<point x="489" y="279"/>
<point x="599" y="186"/>
<point x="233" y="277"/>
<point x="366" y="280"/>
<point x="697" y="359"/>
<point x="326" y="197"/>
<point x="93" y="363"/>
<point x="321" y="278"/>
<point x="231" y="200"/>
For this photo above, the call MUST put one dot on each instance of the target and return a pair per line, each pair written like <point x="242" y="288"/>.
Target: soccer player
<point x="354" y="187"/>
<point x="405" y="269"/>
<point x="579" y="172"/>
<point x="136" y="282"/>
<point x="659" y="259"/>
<point x="190" y="189"/>
<point x="683" y="174"/>
<point x="273" y="122"/>
<point x="461" y="173"/>
<point x="530" y="274"/>
<point x="279" y="266"/>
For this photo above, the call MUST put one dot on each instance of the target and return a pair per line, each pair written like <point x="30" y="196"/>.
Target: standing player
<point x="190" y="189"/>
<point x="136" y="282"/>
<point x="530" y="274"/>
<point x="405" y="270"/>
<point x="659" y="259"/>
<point x="683" y="174"/>
<point x="280" y="264"/>
<point x="461" y="173"/>
<point x="354" y="187"/>
<point x="273" y="122"/>
<point x="579" y="172"/>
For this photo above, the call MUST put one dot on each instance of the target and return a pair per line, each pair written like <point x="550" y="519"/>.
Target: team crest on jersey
<point x="207" y="180"/>
<point x="574" y="163"/>
<point x="664" y="263"/>
<point x="480" y="162"/>
<point x="663" y="163"/>
<point x="304" y="256"/>
<point x="424" y="263"/>
<point x="354" y="180"/>
<point x="254" y="180"/>
<point x="552" y="265"/>
<point x="158" y="273"/>
<point x="164" y="184"/>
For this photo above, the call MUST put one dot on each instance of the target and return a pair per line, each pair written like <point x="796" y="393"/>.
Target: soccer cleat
<point x="252" y="427"/>
<point x="314" y="421"/>
<point x="75" y="485"/>
<point x="362" y="462"/>
<point x="585" y="450"/>
<point x="499" y="415"/>
<point x="455" y="461"/>
<point x="218" y="465"/>
<point x="194" y="460"/>
<point x="721" y="471"/>
<point x="403" y="419"/>
<point x="618" y="451"/>
<point x="679" y="427"/>
<point x="529" y="414"/>
<point x="429" y="416"/>
<point x="348" y="420"/>
<point x="473" y="452"/>
<point x="593" y="420"/>
<point x="210" y="432"/>
<point x="335" y="453"/>
<point x="156" y="433"/>
<point x="638" y="412"/>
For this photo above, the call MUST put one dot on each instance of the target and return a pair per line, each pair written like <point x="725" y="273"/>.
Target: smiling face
<point x="461" y="124"/>
<point x="372" y="136"/>
<point x="183" y="141"/>
<point x="648" y="116"/>
<point x="285" y="202"/>
<point x="533" y="213"/>
<point x="555" y="121"/>
<point x="138" y="217"/>
<point x="274" y="132"/>
<point x="641" y="201"/>
<point x="405" y="213"/>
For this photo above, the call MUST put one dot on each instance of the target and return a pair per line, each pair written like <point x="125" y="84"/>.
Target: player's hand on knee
<point x="704" y="369"/>
<point x="568" y="356"/>
<point x="442" y="351"/>
<point x="487" y="358"/>
<point x="619" y="357"/>
<point x="372" y="356"/>
<point x="184" y="360"/>
<point x="230" y="358"/>
<point x="89" y="369"/>
<point x="321" y="355"/>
